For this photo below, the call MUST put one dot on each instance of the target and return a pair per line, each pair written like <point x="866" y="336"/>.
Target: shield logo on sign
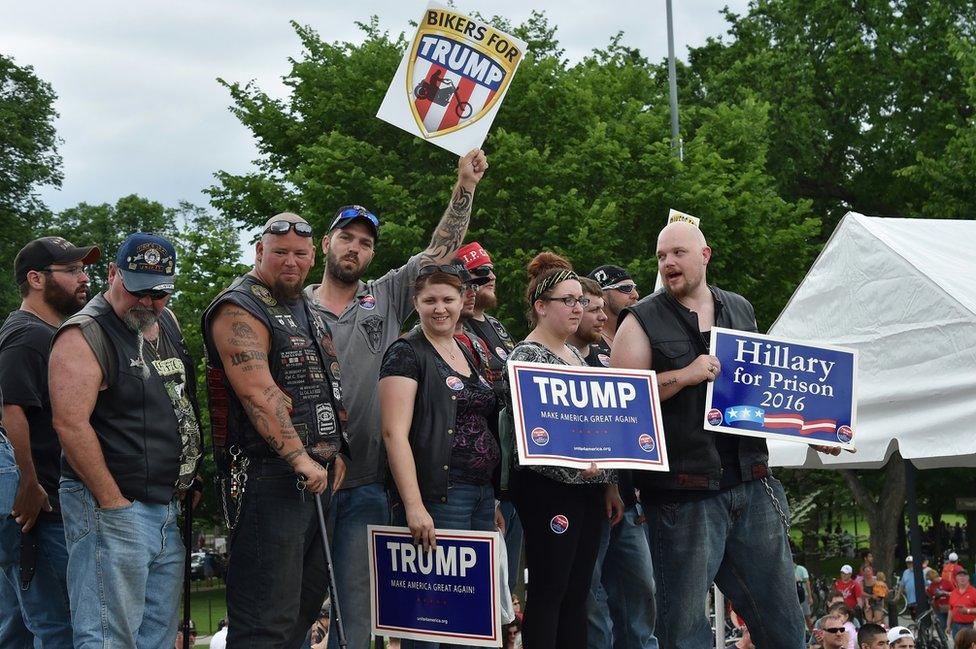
<point x="454" y="78"/>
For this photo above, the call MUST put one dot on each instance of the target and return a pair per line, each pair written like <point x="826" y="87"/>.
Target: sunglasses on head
<point x="301" y="228"/>
<point x="625" y="288"/>
<point x="352" y="212"/>
<point x="443" y="268"/>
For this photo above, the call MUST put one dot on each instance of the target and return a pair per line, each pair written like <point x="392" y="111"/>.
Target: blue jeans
<point x="956" y="628"/>
<point x="349" y="514"/>
<point x="737" y="540"/>
<point x="621" y="603"/>
<point x="513" y="542"/>
<point x="13" y="633"/>
<point x="125" y="570"/>
<point x="468" y="507"/>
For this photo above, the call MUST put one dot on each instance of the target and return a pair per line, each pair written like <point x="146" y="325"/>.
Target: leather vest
<point x="499" y="345"/>
<point x="692" y="454"/>
<point x="133" y="417"/>
<point x="302" y="363"/>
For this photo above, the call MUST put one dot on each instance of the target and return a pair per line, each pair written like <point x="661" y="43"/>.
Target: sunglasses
<point x="151" y="294"/>
<point x="302" y="229"/>
<point x="626" y="289"/>
<point x="352" y="212"/>
<point x="482" y="271"/>
<point x="834" y="629"/>
<point x="443" y="268"/>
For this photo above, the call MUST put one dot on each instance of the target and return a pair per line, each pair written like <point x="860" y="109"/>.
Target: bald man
<point x="718" y="515"/>
<point x="277" y="420"/>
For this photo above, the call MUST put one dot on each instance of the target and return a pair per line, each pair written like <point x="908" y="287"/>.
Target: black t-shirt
<point x="474" y="450"/>
<point x="599" y="355"/>
<point x="25" y="344"/>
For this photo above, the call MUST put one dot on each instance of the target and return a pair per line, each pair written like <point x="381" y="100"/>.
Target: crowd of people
<point x="317" y="390"/>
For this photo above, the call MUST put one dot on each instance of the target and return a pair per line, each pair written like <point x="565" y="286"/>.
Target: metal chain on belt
<point x="776" y="504"/>
<point x="238" y="483"/>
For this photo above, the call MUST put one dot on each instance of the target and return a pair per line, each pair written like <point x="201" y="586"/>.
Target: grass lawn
<point x="207" y="607"/>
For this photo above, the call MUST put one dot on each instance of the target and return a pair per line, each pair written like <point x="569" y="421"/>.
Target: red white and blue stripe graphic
<point x="439" y="118"/>
<point x="780" y="420"/>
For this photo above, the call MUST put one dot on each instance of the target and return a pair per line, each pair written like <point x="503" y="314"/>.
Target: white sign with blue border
<point x="782" y="389"/>
<point x="573" y="416"/>
<point x="447" y="595"/>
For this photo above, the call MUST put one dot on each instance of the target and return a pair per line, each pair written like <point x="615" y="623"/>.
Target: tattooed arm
<point x="243" y="343"/>
<point x="449" y="234"/>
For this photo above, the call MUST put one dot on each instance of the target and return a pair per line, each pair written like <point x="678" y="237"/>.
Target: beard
<point x="486" y="301"/>
<point x="139" y="318"/>
<point x="286" y="292"/>
<point x="588" y="336"/>
<point x="340" y="274"/>
<point x="64" y="303"/>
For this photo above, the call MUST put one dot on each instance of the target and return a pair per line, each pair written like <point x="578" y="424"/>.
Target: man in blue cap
<point x="123" y="403"/>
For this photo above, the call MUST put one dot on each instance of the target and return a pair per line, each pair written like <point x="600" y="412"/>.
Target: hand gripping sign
<point x="572" y="416"/>
<point x="782" y="389"/>
<point x="452" y="79"/>
<point x="447" y="595"/>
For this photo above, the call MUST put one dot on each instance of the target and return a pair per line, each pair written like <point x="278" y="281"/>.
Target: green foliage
<point x="29" y="159"/>
<point x="580" y="164"/>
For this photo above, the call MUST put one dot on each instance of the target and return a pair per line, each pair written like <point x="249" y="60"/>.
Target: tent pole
<point x="915" y="535"/>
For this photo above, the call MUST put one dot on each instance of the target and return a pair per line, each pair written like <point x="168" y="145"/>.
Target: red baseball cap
<point x="472" y="255"/>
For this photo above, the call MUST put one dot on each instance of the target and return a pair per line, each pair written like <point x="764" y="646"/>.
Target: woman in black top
<point x="436" y="410"/>
<point x="561" y="509"/>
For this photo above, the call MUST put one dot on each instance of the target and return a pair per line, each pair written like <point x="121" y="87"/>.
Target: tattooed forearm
<point x="288" y="457"/>
<point x="665" y="383"/>
<point x="244" y="357"/>
<point x="450" y="231"/>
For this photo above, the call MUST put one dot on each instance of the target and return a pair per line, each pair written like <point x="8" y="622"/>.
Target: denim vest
<point x="692" y="454"/>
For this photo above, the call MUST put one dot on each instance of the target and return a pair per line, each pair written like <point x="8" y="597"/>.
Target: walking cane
<point x="336" y="616"/>
<point x="187" y="533"/>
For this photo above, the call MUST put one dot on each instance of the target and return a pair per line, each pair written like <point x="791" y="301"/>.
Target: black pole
<point x="915" y="536"/>
<point x="336" y="615"/>
<point x="187" y="533"/>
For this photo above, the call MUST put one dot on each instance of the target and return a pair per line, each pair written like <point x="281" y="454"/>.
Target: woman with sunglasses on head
<point x="439" y="420"/>
<point x="561" y="509"/>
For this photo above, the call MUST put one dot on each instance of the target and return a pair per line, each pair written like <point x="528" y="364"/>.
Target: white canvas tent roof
<point x="903" y="293"/>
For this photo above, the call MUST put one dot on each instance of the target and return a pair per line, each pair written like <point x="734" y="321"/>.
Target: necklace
<point x="450" y="351"/>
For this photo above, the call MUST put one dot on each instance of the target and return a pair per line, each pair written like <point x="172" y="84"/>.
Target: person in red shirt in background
<point x="951" y="567"/>
<point x="962" y="604"/>
<point x="938" y="590"/>
<point x="850" y="589"/>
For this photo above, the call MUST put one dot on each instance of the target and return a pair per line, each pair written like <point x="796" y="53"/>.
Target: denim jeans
<point x="621" y="603"/>
<point x="737" y="540"/>
<point x="276" y="579"/>
<point x="13" y="633"/>
<point x="513" y="542"/>
<point x="351" y="511"/>
<point x="125" y="570"/>
<point x="468" y="507"/>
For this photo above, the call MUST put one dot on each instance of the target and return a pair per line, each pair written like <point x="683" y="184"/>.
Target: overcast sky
<point x="141" y="112"/>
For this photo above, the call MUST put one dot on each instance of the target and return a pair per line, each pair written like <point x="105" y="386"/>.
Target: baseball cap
<point x="350" y="213"/>
<point x="909" y="559"/>
<point x="953" y="556"/>
<point x="846" y="569"/>
<point x="472" y="255"/>
<point x="608" y="275"/>
<point x="147" y="263"/>
<point x="41" y="253"/>
<point x="897" y="632"/>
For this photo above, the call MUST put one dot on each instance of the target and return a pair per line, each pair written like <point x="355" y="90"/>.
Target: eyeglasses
<point x="834" y="629"/>
<point x="74" y="271"/>
<point x="568" y="300"/>
<point x="482" y="271"/>
<point x="301" y="228"/>
<point x="352" y="212"/>
<point x="626" y="289"/>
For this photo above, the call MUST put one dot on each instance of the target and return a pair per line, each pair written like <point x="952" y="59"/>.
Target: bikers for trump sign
<point x="782" y="389"/>
<point x="452" y="79"/>
<point x="449" y="594"/>
<point x="572" y="416"/>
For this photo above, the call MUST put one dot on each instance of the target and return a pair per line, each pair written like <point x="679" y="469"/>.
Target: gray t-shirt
<point x="361" y="333"/>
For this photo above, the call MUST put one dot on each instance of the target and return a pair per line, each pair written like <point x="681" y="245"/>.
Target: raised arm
<point x="74" y="379"/>
<point x="449" y="233"/>
<point x="243" y="343"/>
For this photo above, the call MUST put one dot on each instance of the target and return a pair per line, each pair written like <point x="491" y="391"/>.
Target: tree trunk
<point x="937" y="526"/>
<point x="884" y="513"/>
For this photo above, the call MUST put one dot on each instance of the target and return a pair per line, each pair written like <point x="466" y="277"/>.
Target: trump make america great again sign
<point x="782" y="389"/>
<point x="452" y="79"/>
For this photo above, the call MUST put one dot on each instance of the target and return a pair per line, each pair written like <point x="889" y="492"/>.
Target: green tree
<point x="29" y="159"/>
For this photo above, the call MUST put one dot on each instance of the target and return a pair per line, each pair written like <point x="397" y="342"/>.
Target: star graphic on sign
<point x="747" y="413"/>
<point x="733" y="413"/>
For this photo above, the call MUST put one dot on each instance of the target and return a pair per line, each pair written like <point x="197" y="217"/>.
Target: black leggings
<point x="560" y="564"/>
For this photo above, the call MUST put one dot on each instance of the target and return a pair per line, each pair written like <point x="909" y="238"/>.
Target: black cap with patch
<point x="608" y="275"/>
<point x="41" y="253"/>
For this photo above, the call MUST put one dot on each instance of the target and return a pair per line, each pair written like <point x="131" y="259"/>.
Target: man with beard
<point x="365" y="318"/>
<point x="53" y="281"/>
<point x="619" y="292"/>
<point x="277" y="416"/>
<point x="718" y="513"/>
<point x="123" y="400"/>
<point x="621" y="602"/>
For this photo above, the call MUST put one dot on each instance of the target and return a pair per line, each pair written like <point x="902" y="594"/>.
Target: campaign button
<point x="540" y="436"/>
<point x="845" y="434"/>
<point x="646" y="442"/>
<point x="367" y="302"/>
<point x="454" y="383"/>
<point x="559" y="524"/>
<point x="501" y="353"/>
<point x="604" y="359"/>
<point x="714" y="416"/>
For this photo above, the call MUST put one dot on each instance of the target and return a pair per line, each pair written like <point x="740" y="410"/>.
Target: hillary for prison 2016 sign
<point x="447" y="595"/>
<point x="782" y="389"/>
<point x="452" y="79"/>
<point x="571" y="416"/>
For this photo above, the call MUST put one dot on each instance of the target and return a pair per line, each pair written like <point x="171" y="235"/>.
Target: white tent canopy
<point x="903" y="293"/>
